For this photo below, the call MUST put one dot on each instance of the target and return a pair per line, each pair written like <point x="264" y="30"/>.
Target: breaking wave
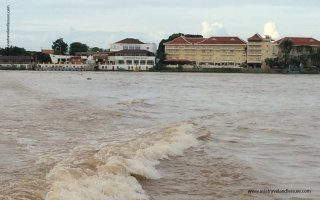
<point x="112" y="171"/>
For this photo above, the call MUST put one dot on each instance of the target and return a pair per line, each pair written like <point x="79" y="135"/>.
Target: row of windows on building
<point x="135" y="62"/>
<point x="231" y="63"/>
<point x="206" y="58"/>
<point x="128" y="68"/>
<point x="60" y="66"/>
<point x="131" y="47"/>
<point x="217" y="48"/>
<point x="136" y="55"/>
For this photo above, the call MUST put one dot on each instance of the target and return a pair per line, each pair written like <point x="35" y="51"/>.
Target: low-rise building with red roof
<point x="47" y="51"/>
<point x="300" y="45"/>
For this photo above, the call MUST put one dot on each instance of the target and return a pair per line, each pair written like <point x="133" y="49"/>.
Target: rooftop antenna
<point x="8" y="27"/>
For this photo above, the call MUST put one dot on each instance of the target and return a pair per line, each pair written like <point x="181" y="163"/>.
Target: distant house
<point x="133" y="44"/>
<point x="300" y="45"/>
<point x="97" y="57"/>
<point x="301" y="41"/>
<point x="21" y="62"/>
<point x="59" y="59"/>
<point x="16" y="59"/>
<point x="135" y="60"/>
<point x="128" y="54"/>
<point x="47" y="51"/>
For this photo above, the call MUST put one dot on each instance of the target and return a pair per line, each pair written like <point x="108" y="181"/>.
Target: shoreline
<point x="199" y="70"/>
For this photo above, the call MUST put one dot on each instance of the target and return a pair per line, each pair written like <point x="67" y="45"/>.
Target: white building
<point x="66" y="59"/>
<point x="64" y="67"/>
<point x="59" y="58"/>
<point x="133" y="44"/>
<point x="132" y="60"/>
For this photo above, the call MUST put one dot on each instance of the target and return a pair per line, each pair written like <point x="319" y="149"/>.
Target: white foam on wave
<point x="115" y="168"/>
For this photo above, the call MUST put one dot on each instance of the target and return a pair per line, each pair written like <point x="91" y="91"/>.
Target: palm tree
<point x="246" y="50"/>
<point x="315" y="58"/>
<point x="286" y="47"/>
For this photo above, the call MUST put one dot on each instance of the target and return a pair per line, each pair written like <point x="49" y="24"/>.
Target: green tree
<point x="315" y="58"/>
<point x="96" y="49"/>
<point x="286" y="47"/>
<point x="78" y="47"/>
<point x="60" y="47"/>
<point x="42" y="57"/>
<point x="274" y="62"/>
<point x="13" y="51"/>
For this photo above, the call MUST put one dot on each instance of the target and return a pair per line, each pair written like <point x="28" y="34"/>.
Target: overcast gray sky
<point x="36" y="23"/>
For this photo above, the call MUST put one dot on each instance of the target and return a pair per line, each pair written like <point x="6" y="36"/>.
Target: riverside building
<point x="207" y="52"/>
<point x="133" y="44"/>
<point x="299" y="45"/>
<point x="259" y="49"/>
<point x="130" y="54"/>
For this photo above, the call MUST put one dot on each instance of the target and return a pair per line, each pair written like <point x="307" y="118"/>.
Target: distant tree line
<point x="19" y="51"/>
<point x="59" y="46"/>
<point x="62" y="48"/>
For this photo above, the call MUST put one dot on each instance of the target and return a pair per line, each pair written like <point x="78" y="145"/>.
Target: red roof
<point x="129" y="41"/>
<point x="223" y="40"/>
<point x="301" y="41"/>
<point x="186" y="40"/>
<point x="47" y="51"/>
<point x="194" y="40"/>
<point x="255" y="38"/>
<point x="211" y="40"/>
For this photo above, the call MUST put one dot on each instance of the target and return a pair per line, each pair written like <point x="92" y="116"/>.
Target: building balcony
<point x="254" y="43"/>
<point x="254" y="49"/>
<point x="254" y="61"/>
<point x="172" y="53"/>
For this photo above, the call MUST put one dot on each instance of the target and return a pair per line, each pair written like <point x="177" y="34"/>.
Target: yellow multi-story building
<point x="258" y="49"/>
<point x="207" y="52"/>
<point x="232" y="51"/>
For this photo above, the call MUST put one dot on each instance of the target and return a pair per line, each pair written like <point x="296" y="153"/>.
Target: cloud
<point x="271" y="29"/>
<point x="210" y="29"/>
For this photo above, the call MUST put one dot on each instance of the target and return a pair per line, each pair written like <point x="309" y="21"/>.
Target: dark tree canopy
<point x="42" y="57"/>
<point x="315" y="58"/>
<point x="96" y="49"/>
<point x="286" y="47"/>
<point x="78" y="47"/>
<point x="60" y="47"/>
<point x="13" y="51"/>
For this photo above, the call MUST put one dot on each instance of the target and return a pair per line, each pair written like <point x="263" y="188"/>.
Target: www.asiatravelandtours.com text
<point x="279" y="191"/>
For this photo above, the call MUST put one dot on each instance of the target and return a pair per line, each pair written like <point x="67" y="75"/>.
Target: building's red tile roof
<point x="194" y="40"/>
<point x="179" y="40"/>
<point x="129" y="41"/>
<point x="47" y="51"/>
<point x="255" y="38"/>
<point x="16" y="58"/>
<point x="223" y="40"/>
<point x="212" y="40"/>
<point x="301" y="41"/>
